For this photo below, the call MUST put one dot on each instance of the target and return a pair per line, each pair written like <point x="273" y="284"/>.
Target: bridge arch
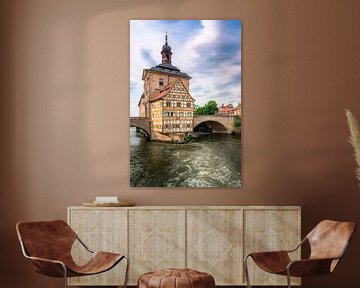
<point x="141" y="123"/>
<point x="145" y="132"/>
<point x="214" y="126"/>
<point x="218" y="124"/>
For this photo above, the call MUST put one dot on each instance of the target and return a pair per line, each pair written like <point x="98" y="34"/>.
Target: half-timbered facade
<point x="173" y="109"/>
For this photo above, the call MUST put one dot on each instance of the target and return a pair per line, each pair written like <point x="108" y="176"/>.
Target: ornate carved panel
<point x="209" y="239"/>
<point x="270" y="230"/>
<point x="156" y="240"/>
<point x="214" y="241"/>
<point x="101" y="230"/>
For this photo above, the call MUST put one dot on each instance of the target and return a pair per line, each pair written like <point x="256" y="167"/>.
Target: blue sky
<point x="209" y="51"/>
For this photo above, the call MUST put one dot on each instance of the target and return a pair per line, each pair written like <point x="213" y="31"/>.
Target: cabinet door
<point x="100" y="230"/>
<point x="156" y="240"/>
<point x="214" y="244"/>
<point x="271" y="230"/>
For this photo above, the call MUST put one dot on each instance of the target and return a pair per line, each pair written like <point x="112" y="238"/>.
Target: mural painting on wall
<point x="185" y="103"/>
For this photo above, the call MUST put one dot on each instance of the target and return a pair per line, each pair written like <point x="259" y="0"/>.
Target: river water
<point x="208" y="160"/>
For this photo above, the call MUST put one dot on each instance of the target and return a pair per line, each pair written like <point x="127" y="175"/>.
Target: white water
<point x="211" y="160"/>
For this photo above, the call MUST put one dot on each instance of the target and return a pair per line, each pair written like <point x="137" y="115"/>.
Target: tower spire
<point x="166" y="51"/>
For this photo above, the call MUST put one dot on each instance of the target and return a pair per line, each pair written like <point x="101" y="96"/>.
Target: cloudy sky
<point x="209" y="51"/>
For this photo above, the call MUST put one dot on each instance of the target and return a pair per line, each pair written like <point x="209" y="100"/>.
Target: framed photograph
<point x="185" y="103"/>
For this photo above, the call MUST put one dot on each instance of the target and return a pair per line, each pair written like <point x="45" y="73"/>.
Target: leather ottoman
<point x="176" y="278"/>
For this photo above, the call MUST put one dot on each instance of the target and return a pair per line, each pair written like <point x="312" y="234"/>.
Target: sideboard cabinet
<point x="212" y="239"/>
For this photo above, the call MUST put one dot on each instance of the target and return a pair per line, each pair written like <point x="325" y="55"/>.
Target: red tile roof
<point x="167" y="89"/>
<point x="164" y="91"/>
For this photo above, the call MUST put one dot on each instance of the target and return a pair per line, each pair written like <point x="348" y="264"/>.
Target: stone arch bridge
<point x="218" y="123"/>
<point x="141" y="122"/>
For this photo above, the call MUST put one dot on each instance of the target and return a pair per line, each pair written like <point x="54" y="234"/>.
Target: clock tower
<point x="166" y="100"/>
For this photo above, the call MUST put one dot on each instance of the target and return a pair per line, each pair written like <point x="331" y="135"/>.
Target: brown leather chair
<point x="328" y="242"/>
<point x="48" y="245"/>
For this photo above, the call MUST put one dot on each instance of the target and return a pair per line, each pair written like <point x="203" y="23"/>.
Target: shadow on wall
<point x="63" y="73"/>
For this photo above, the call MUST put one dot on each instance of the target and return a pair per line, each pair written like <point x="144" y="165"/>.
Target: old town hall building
<point x="166" y="100"/>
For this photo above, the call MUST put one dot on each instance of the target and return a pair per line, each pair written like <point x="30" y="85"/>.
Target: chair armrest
<point x="45" y="260"/>
<point x="83" y="244"/>
<point x="268" y="253"/>
<point x="309" y="267"/>
<point x="48" y="267"/>
<point x="298" y="246"/>
<point x="280" y="251"/>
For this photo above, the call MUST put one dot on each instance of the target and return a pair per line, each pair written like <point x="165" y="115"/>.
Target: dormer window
<point x="161" y="82"/>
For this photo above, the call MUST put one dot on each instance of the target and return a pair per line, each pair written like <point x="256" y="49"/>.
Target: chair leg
<point x="288" y="278"/>
<point x="65" y="276"/>
<point x="127" y="271"/>
<point x="246" y="272"/>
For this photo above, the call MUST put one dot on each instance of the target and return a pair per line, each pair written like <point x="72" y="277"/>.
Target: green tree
<point x="210" y="108"/>
<point x="199" y="110"/>
<point x="237" y="121"/>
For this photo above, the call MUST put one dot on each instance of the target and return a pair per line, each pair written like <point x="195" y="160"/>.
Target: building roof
<point x="163" y="92"/>
<point x="169" y="69"/>
<point x="228" y="109"/>
<point x="167" y="90"/>
<point x="141" y="97"/>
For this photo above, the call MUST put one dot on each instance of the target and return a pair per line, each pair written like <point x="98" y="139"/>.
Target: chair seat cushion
<point x="176" y="278"/>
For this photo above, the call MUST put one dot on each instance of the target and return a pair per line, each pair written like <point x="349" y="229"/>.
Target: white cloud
<point x="198" y="43"/>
